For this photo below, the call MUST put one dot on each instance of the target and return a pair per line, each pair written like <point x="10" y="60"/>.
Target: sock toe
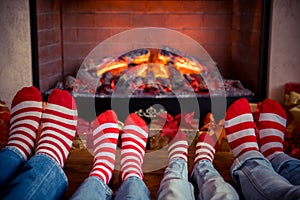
<point x="27" y="94"/>
<point x="134" y="119"/>
<point x="62" y="98"/>
<point x="108" y="116"/>
<point x="272" y="106"/>
<point x="239" y="107"/>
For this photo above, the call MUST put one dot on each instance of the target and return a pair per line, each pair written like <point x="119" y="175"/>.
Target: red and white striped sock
<point x="205" y="148"/>
<point x="25" y="120"/>
<point x="178" y="147"/>
<point x="239" y="127"/>
<point x="272" y="122"/>
<point x="105" y="136"/>
<point x="59" y="126"/>
<point x="134" y="140"/>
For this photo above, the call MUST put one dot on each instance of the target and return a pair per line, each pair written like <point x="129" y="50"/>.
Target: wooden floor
<point x="80" y="163"/>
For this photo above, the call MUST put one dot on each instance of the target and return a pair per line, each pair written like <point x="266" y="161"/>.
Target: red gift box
<point x="4" y="124"/>
<point x="292" y="108"/>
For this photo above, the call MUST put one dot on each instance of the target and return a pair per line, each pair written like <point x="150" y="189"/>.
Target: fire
<point x="163" y="59"/>
<point x="141" y="59"/>
<point x="159" y="70"/>
<point x="156" y="62"/>
<point x="186" y="66"/>
<point x="114" y="67"/>
<point x="153" y="72"/>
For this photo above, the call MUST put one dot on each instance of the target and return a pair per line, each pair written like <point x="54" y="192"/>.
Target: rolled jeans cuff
<point x="280" y="160"/>
<point x="16" y="151"/>
<point x="240" y="161"/>
<point x="93" y="188"/>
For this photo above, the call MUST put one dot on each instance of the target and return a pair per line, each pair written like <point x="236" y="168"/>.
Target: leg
<point x="272" y="124"/>
<point x="210" y="183"/>
<point x="175" y="184"/>
<point x="25" y="119"/>
<point x="11" y="163"/>
<point x="133" y="188"/>
<point x="42" y="176"/>
<point x="287" y="167"/>
<point x="93" y="188"/>
<point x="258" y="179"/>
<point x="105" y="136"/>
<point x="250" y="170"/>
<point x="134" y="139"/>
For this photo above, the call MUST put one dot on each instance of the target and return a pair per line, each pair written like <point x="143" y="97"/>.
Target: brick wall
<point x="86" y="23"/>
<point x="228" y="29"/>
<point x="49" y="43"/>
<point x="246" y="26"/>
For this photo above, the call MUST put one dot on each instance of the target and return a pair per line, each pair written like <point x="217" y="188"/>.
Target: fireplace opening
<point x="145" y="77"/>
<point x="230" y="31"/>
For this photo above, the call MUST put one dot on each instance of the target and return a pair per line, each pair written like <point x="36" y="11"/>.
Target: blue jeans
<point x="260" y="179"/>
<point x="211" y="185"/>
<point x="175" y="184"/>
<point x="287" y="167"/>
<point x="38" y="178"/>
<point x="94" y="188"/>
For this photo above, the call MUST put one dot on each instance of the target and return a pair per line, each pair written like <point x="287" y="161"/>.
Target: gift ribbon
<point x="293" y="99"/>
<point x="171" y="124"/>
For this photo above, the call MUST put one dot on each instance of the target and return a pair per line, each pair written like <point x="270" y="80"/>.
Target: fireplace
<point x="229" y="31"/>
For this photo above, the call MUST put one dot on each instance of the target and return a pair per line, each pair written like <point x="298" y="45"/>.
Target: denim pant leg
<point x="175" y="184"/>
<point x="287" y="167"/>
<point x="258" y="179"/>
<point x="93" y="188"/>
<point x="133" y="188"/>
<point x="40" y="178"/>
<point x="11" y="162"/>
<point x="210" y="183"/>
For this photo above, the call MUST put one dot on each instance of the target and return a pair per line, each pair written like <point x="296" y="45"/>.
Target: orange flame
<point x="163" y="59"/>
<point x="114" y="67"/>
<point x="141" y="59"/>
<point x="186" y="66"/>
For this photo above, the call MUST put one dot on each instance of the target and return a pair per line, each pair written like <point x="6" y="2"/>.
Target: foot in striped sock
<point x="105" y="135"/>
<point x="134" y="139"/>
<point x="239" y="127"/>
<point x="25" y="119"/>
<point x="271" y="124"/>
<point x="205" y="148"/>
<point x="59" y="126"/>
<point x="178" y="147"/>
